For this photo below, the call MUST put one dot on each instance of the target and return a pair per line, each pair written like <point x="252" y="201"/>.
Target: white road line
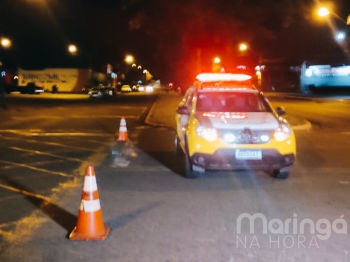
<point x="27" y="193"/>
<point x="46" y="154"/>
<point x="68" y="134"/>
<point x="43" y="133"/>
<point x="56" y="161"/>
<point x="22" y="229"/>
<point x="53" y="144"/>
<point x="36" y="169"/>
<point x="73" y="117"/>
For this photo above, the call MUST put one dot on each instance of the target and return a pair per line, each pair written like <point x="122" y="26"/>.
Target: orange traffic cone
<point x="123" y="132"/>
<point x="90" y="224"/>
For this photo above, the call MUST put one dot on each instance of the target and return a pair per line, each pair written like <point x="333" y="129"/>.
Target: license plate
<point x="248" y="154"/>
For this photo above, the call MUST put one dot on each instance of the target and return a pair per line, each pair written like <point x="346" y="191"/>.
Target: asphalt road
<point x="154" y="213"/>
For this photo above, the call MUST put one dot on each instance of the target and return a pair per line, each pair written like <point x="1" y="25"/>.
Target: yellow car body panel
<point x="198" y="144"/>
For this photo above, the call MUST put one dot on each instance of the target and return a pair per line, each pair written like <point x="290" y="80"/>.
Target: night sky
<point x="172" y="39"/>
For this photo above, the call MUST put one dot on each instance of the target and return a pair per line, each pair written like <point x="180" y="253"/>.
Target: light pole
<point x="339" y="36"/>
<point x="5" y="44"/>
<point x="324" y="11"/>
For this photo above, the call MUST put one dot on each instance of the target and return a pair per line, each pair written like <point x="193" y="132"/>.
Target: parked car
<point x="102" y="92"/>
<point x="31" y="88"/>
<point x="126" y="89"/>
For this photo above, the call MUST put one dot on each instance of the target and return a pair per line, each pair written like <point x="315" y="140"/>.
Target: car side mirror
<point x="183" y="110"/>
<point x="280" y="110"/>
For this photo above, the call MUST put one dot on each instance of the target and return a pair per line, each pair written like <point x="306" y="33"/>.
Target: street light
<point x="72" y="49"/>
<point x="340" y="37"/>
<point x="5" y="42"/>
<point x="129" y="59"/>
<point x="216" y="65"/>
<point x="243" y="47"/>
<point x="323" y="11"/>
<point x="217" y="60"/>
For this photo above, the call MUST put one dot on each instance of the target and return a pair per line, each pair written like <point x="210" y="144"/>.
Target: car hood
<point x="251" y="120"/>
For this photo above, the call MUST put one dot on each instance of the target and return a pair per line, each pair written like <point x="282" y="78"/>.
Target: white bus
<point x="318" y="75"/>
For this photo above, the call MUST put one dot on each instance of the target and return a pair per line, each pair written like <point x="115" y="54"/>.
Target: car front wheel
<point x="190" y="171"/>
<point x="282" y="173"/>
<point x="178" y="149"/>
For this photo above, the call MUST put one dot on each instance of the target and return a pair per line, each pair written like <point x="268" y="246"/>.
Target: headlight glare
<point x="207" y="133"/>
<point x="229" y="138"/>
<point x="282" y="133"/>
<point x="264" y="138"/>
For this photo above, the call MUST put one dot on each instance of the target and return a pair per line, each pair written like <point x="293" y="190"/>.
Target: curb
<point x="305" y="126"/>
<point x="149" y="122"/>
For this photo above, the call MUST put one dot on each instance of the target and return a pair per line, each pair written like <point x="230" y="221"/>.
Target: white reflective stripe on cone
<point x="122" y="128"/>
<point x="90" y="205"/>
<point x="90" y="183"/>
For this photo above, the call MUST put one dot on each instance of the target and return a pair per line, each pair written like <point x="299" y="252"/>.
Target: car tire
<point x="178" y="148"/>
<point x="189" y="172"/>
<point x="282" y="173"/>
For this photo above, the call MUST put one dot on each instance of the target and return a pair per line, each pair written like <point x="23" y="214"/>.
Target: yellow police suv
<point x="225" y="123"/>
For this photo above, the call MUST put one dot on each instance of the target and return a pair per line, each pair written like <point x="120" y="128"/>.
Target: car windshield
<point x="232" y="102"/>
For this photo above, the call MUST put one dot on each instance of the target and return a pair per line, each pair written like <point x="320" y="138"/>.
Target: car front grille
<point x="246" y="136"/>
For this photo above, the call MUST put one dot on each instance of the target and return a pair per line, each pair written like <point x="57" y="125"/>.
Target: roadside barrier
<point x="90" y="224"/>
<point x="123" y="132"/>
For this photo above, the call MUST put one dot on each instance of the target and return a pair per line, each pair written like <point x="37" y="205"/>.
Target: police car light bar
<point x="222" y="77"/>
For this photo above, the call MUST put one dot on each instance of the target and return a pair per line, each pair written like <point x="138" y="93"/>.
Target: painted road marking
<point x="36" y="169"/>
<point x="44" y="153"/>
<point x="23" y="229"/>
<point x="43" y="133"/>
<point x="73" y="116"/>
<point x="27" y="193"/>
<point x="53" y="144"/>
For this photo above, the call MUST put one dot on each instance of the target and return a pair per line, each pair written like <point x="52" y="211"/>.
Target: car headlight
<point x="282" y="133"/>
<point x="207" y="133"/>
<point x="229" y="138"/>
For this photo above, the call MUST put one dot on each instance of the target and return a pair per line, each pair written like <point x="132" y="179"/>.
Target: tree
<point x="189" y="34"/>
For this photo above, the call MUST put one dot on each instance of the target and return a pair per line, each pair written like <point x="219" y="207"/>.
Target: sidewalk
<point x="162" y="113"/>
